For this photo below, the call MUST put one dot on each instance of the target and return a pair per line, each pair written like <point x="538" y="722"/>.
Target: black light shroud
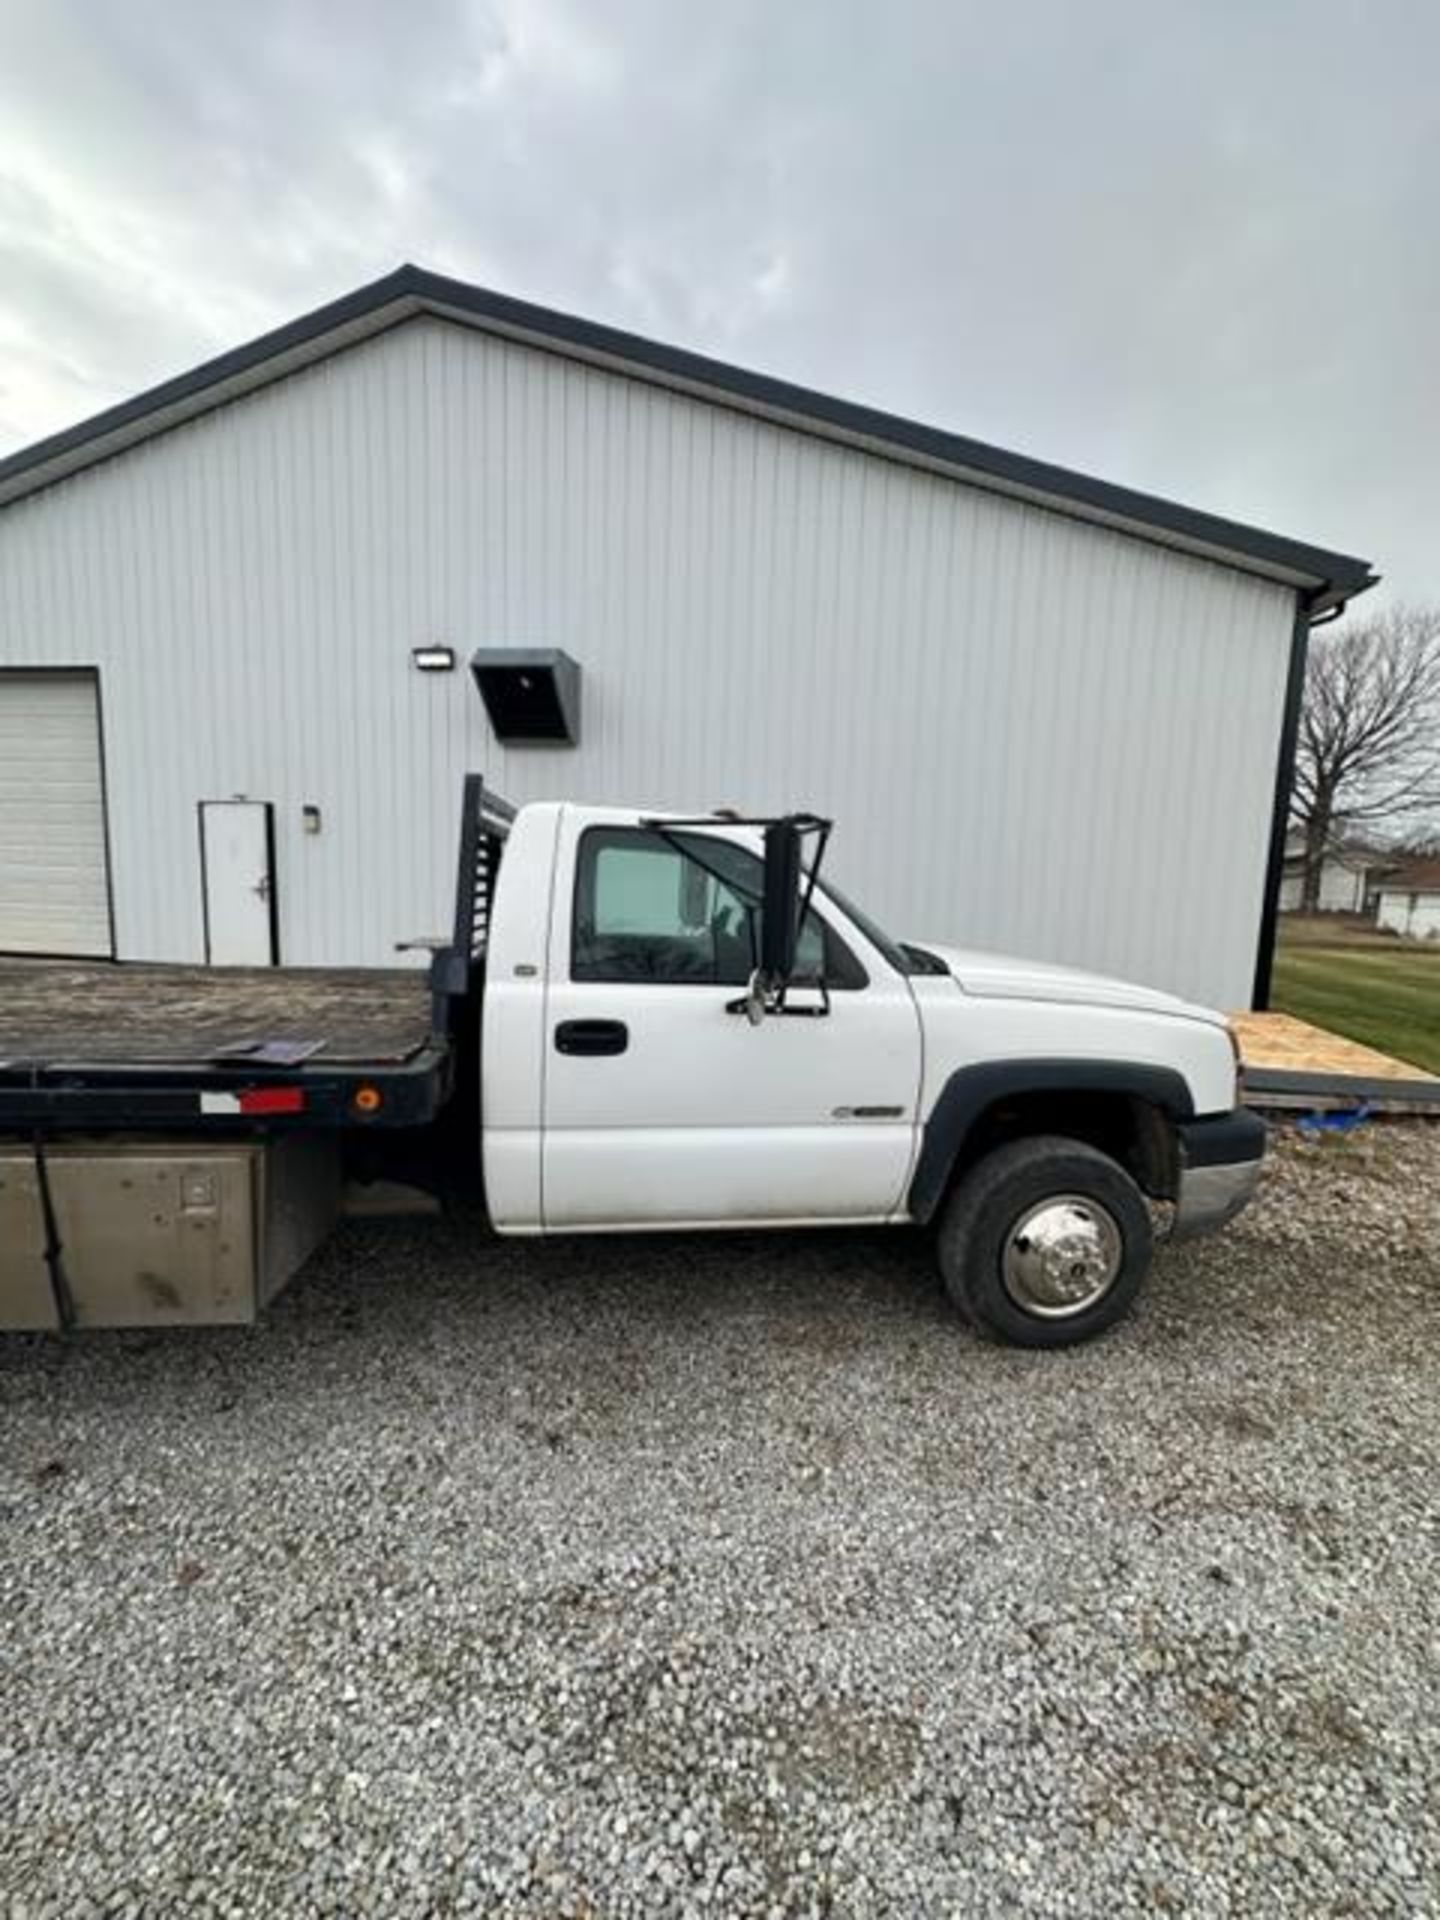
<point x="531" y="694"/>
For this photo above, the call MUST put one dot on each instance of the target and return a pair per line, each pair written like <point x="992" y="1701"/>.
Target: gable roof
<point x="1327" y="578"/>
<point x="1418" y="874"/>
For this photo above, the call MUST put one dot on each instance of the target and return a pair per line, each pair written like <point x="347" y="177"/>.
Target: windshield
<point x="902" y="961"/>
<point x="741" y="869"/>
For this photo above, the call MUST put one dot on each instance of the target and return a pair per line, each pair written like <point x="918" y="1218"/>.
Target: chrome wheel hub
<point x="1062" y="1256"/>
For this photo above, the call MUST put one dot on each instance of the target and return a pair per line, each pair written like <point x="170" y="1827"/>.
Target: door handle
<point x="592" y="1036"/>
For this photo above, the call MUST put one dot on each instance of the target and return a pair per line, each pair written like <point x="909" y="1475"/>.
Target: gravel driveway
<point x="734" y="1575"/>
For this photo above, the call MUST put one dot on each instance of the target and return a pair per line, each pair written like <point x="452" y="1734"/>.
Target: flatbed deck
<point x="108" y="1013"/>
<point x="88" y="1046"/>
<point x="103" y="1047"/>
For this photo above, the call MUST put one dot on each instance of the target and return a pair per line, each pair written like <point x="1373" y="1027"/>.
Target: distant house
<point x="1350" y="876"/>
<point x="1410" y="899"/>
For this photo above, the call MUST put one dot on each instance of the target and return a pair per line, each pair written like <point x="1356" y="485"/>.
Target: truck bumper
<point x="1220" y="1160"/>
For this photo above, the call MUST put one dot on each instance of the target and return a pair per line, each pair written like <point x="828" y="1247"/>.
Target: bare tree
<point x="1368" y="753"/>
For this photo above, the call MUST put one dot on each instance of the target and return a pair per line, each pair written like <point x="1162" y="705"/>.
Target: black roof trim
<point x="1327" y="577"/>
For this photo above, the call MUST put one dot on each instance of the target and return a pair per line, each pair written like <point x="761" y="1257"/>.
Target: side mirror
<point x="785" y="887"/>
<point x="780" y="904"/>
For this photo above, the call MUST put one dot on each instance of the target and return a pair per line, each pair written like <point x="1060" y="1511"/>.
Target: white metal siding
<point x="53" y="895"/>
<point x="1034" y="733"/>
<point x="1342" y="888"/>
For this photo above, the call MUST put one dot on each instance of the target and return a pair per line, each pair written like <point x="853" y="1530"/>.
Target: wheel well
<point x="1131" y="1130"/>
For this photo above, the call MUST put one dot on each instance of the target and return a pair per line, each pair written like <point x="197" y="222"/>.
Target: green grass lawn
<point x="1384" y="992"/>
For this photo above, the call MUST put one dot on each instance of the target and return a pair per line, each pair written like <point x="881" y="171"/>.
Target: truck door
<point x="663" y="1106"/>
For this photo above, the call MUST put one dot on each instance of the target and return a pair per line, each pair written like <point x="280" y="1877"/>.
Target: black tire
<point x="994" y="1197"/>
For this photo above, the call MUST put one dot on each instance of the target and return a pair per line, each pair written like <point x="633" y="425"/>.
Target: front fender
<point x="971" y="1090"/>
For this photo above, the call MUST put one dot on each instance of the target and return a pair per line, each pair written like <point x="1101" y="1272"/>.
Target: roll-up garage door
<point x="53" y="889"/>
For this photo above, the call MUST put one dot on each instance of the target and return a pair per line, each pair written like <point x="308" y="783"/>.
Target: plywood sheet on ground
<point x="1279" y="1042"/>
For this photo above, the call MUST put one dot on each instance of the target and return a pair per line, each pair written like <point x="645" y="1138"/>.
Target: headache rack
<point x="259" y="1082"/>
<point x="484" y="823"/>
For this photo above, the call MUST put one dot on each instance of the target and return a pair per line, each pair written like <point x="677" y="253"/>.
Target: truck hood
<point x="1003" y="976"/>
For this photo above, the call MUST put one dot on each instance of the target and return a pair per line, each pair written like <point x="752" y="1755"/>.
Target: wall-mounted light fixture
<point x="433" y="659"/>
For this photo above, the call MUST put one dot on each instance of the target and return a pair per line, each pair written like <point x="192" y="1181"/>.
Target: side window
<point x="646" y="910"/>
<point x="638" y="890"/>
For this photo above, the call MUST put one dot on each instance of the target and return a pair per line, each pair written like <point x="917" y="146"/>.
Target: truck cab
<point x="684" y="1026"/>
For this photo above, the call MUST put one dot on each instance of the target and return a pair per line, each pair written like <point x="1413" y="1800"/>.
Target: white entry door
<point x="662" y="1106"/>
<point x="235" y="844"/>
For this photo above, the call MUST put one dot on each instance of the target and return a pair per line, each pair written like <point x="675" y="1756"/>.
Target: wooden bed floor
<point x="74" y="1012"/>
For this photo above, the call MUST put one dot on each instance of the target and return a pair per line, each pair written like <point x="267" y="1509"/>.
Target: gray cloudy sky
<point x="1192" y="248"/>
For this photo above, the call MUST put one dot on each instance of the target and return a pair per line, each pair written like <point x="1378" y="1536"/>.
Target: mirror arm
<point x="761" y="1001"/>
<point x="822" y="835"/>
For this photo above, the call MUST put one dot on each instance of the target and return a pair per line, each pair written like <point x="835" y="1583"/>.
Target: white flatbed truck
<point x="638" y="1022"/>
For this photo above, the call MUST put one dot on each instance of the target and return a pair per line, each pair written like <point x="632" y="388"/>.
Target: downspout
<point x="1280" y="805"/>
<point x="1285" y="780"/>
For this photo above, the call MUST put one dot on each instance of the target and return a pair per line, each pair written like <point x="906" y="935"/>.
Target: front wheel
<point x="1045" y="1242"/>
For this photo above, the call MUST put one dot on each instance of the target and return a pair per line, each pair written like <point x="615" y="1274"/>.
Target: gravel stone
<point x="735" y="1576"/>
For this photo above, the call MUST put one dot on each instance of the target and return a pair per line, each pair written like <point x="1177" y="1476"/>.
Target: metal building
<point x="1049" y="714"/>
